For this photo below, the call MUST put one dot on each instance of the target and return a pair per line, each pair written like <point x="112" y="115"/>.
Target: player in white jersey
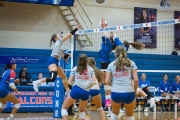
<point x="95" y="90"/>
<point x="53" y="61"/>
<point x="83" y="78"/>
<point x="121" y="72"/>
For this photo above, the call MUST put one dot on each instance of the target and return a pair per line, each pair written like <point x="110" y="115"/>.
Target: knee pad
<point x="2" y="106"/>
<point x="17" y="105"/>
<point x="64" y="80"/>
<point x="82" y="115"/>
<point x="99" y="109"/>
<point x="64" y="112"/>
<point x="107" y="87"/>
<point x="53" y="76"/>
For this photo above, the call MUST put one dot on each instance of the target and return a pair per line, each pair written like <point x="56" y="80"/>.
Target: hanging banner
<point x="147" y="33"/>
<point x="177" y="31"/>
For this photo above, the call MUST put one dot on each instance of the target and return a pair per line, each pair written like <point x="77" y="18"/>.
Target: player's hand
<point x="79" y="26"/>
<point x="19" y="93"/>
<point x="68" y="92"/>
<point x="16" y="81"/>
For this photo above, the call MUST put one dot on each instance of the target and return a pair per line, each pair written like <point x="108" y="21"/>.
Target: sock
<point x="106" y="96"/>
<point x="130" y="118"/>
<point x="11" y="115"/>
<point x="113" y="116"/>
<point x="75" y="105"/>
<point x="109" y="96"/>
<point x="147" y="97"/>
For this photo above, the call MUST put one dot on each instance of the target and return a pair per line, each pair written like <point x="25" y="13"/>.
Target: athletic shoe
<point x="109" y="114"/>
<point x="121" y="111"/>
<point x="108" y="103"/>
<point x="89" y="104"/>
<point x="146" y="109"/>
<point x="87" y="111"/>
<point x="151" y="102"/>
<point x="36" y="85"/>
<point x="76" y="109"/>
<point x="9" y="118"/>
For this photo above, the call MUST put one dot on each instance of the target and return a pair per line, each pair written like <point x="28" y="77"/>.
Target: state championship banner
<point x="177" y="31"/>
<point x="33" y="100"/>
<point x="146" y="34"/>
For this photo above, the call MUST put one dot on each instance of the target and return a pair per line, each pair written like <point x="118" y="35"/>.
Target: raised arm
<point x="70" y="34"/>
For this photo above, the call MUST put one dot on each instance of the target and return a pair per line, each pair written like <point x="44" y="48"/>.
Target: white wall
<point x="30" y="25"/>
<point x="121" y="12"/>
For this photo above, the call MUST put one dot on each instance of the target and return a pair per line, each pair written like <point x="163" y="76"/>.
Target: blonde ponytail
<point x="121" y="60"/>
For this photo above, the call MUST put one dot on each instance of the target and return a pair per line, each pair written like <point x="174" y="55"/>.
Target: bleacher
<point x="143" y="62"/>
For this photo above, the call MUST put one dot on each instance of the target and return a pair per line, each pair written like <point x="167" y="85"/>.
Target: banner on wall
<point x="33" y="100"/>
<point x="177" y="31"/>
<point x="146" y="35"/>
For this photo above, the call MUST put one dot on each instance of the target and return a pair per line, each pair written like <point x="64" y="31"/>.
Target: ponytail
<point x="53" y="39"/>
<point x="50" y="42"/>
<point x="121" y="60"/>
<point x="136" y="45"/>
<point x="3" y="72"/>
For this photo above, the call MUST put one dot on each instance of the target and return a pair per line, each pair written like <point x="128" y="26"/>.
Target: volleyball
<point x="102" y="23"/>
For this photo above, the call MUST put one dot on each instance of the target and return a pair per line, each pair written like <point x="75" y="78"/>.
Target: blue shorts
<point x="3" y="92"/>
<point x="123" y="97"/>
<point x="53" y="60"/>
<point x="94" y="92"/>
<point x="79" y="93"/>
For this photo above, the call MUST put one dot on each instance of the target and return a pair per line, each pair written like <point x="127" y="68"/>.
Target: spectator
<point x="176" y="87"/>
<point x="144" y="84"/>
<point x="28" y="75"/>
<point x="40" y="76"/>
<point x="165" y="91"/>
<point x="22" y="77"/>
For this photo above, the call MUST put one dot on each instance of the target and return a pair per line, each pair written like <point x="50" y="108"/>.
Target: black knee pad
<point x="53" y="76"/>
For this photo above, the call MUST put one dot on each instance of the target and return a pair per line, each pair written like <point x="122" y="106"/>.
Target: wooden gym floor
<point x="94" y="116"/>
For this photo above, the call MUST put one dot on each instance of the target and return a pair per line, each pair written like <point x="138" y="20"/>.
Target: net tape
<point x="132" y="26"/>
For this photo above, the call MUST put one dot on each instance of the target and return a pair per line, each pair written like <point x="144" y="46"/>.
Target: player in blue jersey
<point x="8" y="81"/>
<point x="165" y="91"/>
<point x="144" y="84"/>
<point x="175" y="90"/>
<point x="176" y="87"/>
<point x="53" y="61"/>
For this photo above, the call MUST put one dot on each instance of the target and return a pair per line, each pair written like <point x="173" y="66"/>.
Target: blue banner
<point x="33" y="100"/>
<point x="48" y="2"/>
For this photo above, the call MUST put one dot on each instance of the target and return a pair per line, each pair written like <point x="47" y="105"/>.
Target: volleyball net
<point x="163" y="38"/>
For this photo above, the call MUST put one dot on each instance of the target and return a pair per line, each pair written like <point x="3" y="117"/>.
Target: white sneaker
<point x="152" y="102"/>
<point x="35" y="86"/>
<point x="109" y="114"/>
<point x="146" y="109"/>
<point x="121" y="111"/>
<point x="87" y="111"/>
<point x="146" y="114"/>
<point x="157" y="99"/>
<point x="9" y="118"/>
